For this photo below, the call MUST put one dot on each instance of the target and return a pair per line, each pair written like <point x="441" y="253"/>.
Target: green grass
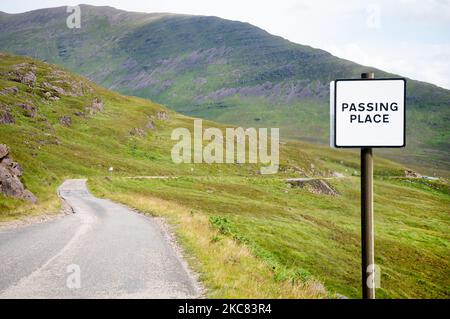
<point x="249" y="235"/>
<point x="303" y="234"/>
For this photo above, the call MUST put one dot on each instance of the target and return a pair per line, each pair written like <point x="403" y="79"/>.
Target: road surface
<point x="104" y="250"/>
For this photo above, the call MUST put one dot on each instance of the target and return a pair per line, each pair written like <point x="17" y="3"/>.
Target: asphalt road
<point x="104" y="250"/>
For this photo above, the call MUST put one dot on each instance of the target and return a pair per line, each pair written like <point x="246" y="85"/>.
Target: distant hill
<point x="223" y="70"/>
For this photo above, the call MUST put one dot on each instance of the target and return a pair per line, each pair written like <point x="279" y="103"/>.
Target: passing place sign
<point x="367" y="112"/>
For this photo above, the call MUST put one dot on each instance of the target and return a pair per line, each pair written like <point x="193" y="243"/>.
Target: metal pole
<point x="367" y="236"/>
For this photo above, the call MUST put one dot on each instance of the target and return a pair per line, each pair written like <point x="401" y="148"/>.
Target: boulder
<point x="10" y="185"/>
<point x="137" y="132"/>
<point x="411" y="174"/>
<point x="29" y="78"/>
<point x="51" y="95"/>
<point x="10" y="90"/>
<point x="96" y="106"/>
<point x="13" y="167"/>
<point x="54" y="89"/>
<point x="314" y="185"/>
<point x="29" y="109"/>
<point x="24" y="73"/>
<point x="29" y="196"/>
<point x="162" y="115"/>
<point x="337" y="174"/>
<point x="4" y="151"/>
<point x="10" y="173"/>
<point x="6" y="117"/>
<point x="150" y="125"/>
<point x="65" y="120"/>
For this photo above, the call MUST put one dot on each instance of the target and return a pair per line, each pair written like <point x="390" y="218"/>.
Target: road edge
<point x="166" y="229"/>
<point x="25" y="221"/>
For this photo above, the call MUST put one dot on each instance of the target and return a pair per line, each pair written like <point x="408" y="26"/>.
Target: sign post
<point x="367" y="236"/>
<point x="367" y="113"/>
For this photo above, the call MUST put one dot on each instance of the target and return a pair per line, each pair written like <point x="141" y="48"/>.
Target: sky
<point x="406" y="37"/>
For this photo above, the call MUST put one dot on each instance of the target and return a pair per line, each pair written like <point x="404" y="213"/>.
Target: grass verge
<point x="227" y="268"/>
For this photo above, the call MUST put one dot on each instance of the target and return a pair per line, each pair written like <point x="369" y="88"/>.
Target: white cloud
<point x="424" y="62"/>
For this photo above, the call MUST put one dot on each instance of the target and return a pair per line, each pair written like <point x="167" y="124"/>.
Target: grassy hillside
<point x="221" y="70"/>
<point x="248" y="235"/>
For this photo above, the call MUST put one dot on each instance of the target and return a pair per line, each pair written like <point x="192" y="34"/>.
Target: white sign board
<point x="367" y="113"/>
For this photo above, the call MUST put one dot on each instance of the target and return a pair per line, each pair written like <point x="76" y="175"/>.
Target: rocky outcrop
<point x="9" y="90"/>
<point x="5" y="115"/>
<point x="282" y="91"/>
<point x="316" y="186"/>
<point x="65" y="120"/>
<point x="412" y="174"/>
<point x="10" y="173"/>
<point x="51" y="96"/>
<point x="150" y="125"/>
<point x="28" y="109"/>
<point x="162" y="115"/>
<point x="3" y="151"/>
<point x="95" y="107"/>
<point x="137" y="132"/>
<point x="24" y="73"/>
<point x="57" y="84"/>
<point x="54" y="89"/>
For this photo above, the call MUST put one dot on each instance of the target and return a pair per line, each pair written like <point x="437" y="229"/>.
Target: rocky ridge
<point x="10" y="173"/>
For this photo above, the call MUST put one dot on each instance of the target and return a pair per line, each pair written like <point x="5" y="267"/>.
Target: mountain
<point x="223" y="70"/>
<point x="249" y="235"/>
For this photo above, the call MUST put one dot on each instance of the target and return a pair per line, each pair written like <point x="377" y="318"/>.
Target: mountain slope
<point x="253" y="236"/>
<point x="218" y="69"/>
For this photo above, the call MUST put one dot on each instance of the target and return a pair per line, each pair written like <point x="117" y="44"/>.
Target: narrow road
<point x="104" y="250"/>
